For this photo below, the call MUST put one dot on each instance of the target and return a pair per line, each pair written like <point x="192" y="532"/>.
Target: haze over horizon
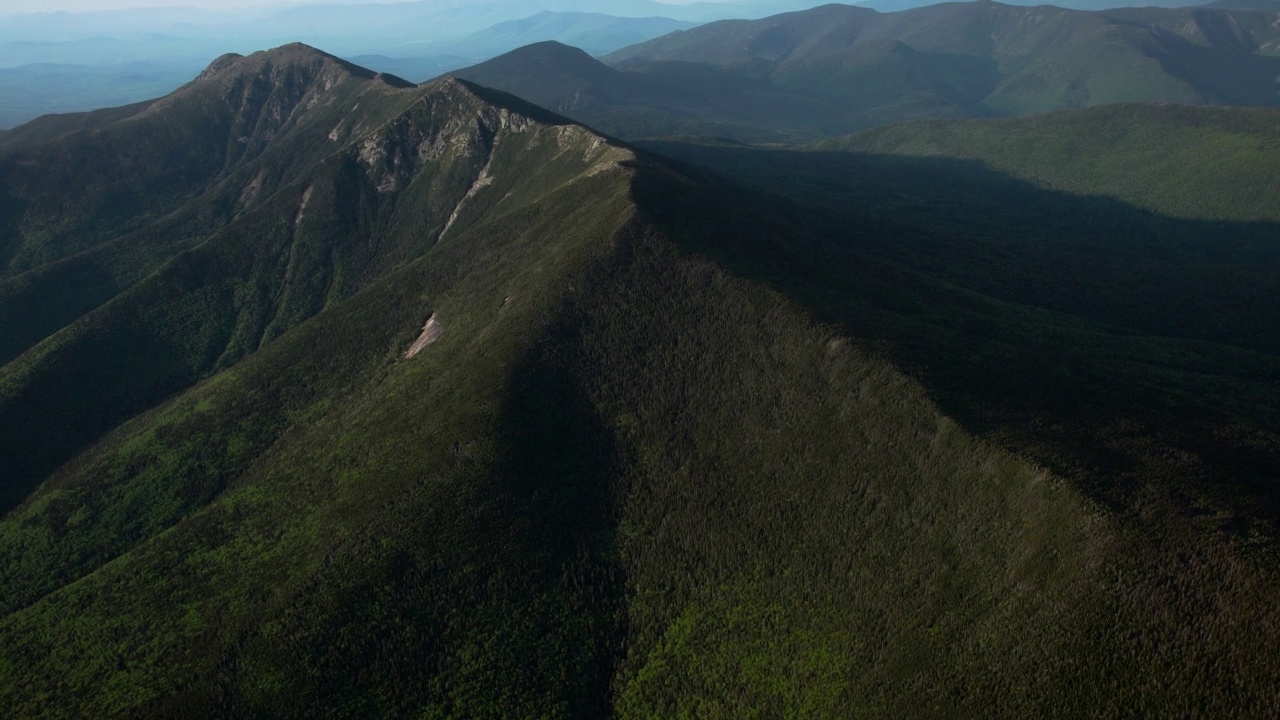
<point x="75" y="55"/>
<point x="16" y="7"/>
<point x="24" y="7"/>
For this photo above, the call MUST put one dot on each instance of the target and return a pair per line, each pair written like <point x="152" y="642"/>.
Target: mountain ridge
<point x="853" y="68"/>
<point x="656" y="455"/>
<point x="386" y="140"/>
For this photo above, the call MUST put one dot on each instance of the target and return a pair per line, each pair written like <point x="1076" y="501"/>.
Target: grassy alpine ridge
<point x="661" y="460"/>
<point x="837" y="69"/>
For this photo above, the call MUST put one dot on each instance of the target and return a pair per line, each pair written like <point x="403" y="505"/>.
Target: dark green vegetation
<point x="661" y="459"/>
<point x="1126" y="261"/>
<point x="838" y="68"/>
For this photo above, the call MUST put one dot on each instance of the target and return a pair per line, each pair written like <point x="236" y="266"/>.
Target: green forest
<point x="965" y="417"/>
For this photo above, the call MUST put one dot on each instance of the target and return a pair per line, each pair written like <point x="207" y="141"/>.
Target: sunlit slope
<point x="1195" y="163"/>
<point x="96" y="202"/>
<point x="1161" y="218"/>
<point x="978" y="59"/>
<point x="382" y="188"/>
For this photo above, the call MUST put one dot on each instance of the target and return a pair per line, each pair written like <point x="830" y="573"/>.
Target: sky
<point x="8" y="7"/>
<point x="33" y="6"/>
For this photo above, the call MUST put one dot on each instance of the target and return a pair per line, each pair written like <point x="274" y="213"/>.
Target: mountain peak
<point x="218" y="65"/>
<point x="294" y="56"/>
<point x="552" y="46"/>
<point x="551" y="50"/>
<point x="551" y="74"/>
<point x="272" y="91"/>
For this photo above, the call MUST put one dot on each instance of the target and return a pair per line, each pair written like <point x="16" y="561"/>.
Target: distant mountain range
<point x="847" y="67"/>
<point x="1269" y="5"/>
<point x="120" y="57"/>
<point x="34" y="90"/>
<point x="352" y="27"/>
<point x="839" y="68"/>
<point x="672" y="98"/>
<point x="594" y="33"/>
<point x="102" y="71"/>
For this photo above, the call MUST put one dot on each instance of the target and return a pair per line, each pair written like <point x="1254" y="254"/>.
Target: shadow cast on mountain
<point x="1116" y="345"/>
<point x="556" y="488"/>
<point x="1136" y="271"/>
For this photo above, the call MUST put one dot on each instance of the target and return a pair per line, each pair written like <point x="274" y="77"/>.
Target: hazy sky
<point x="23" y="6"/>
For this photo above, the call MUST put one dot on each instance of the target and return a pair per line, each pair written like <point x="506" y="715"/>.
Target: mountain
<point x="326" y="395"/>
<point x="103" y="71"/>
<point x="126" y="56"/>
<point x="356" y="18"/>
<point x="594" y="32"/>
<point x="679" y="99"/>
<point x="1086" y="5"/>
<point x="554" y="74"/>
<point x="1184" y="162"/>
<point x="1268" y="5"/>
<point x="70" y="62"/>
<point x="987" y="57"/>
<point x="1145" y="231"/>
<point x="866" y="68"/>
<point x="358" y="27"/>
<point x="112" y="57"/>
